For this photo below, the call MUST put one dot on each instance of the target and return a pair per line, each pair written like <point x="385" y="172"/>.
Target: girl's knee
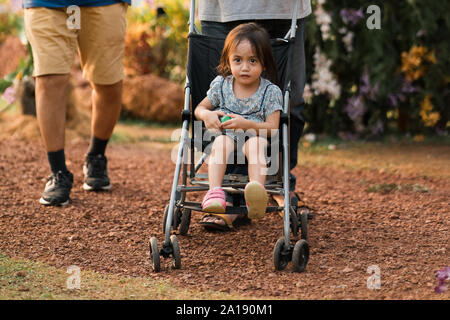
<point x="223" y="143"/>
<point x="255" y="145"/>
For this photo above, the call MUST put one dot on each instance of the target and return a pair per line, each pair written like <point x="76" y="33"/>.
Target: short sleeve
<point x="214" y="93"/>
<point x="273" y="100"/>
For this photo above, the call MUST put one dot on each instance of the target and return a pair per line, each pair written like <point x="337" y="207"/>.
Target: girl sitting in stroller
<point x="244" y="91"/>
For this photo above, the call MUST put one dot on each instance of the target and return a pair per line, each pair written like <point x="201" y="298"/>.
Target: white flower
<point x="307" y="93"/>
<point x="323" y="19"/>
<point x="323" y="80"/>
<point x="310" y="137"/>
<point x="348" y="40"/>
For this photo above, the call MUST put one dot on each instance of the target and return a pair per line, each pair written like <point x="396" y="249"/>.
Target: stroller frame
<point x="177" y="213"/>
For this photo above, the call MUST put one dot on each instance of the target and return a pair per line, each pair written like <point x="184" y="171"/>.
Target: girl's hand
<point x="212" y="121"/>
<point x="236" y="122"/>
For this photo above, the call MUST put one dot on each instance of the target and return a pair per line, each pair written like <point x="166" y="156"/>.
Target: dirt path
<point x="404" y="232"/>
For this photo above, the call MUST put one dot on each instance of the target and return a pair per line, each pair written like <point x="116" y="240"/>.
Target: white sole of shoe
<point x="256" y="198"/>
<point x="89" y="188"/>
<point x="46" y="203"/>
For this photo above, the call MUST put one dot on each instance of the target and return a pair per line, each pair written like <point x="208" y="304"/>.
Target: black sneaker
<point x="95" y="174"/>
<point x="57" y="189"/>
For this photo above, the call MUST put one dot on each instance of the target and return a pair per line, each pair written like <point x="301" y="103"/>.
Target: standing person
<point x="218" y="17"/>
<point x="97" y="28"/>
<point x="242" y="92"/>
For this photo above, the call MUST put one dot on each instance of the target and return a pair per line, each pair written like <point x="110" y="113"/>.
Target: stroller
<point x="203" y="57"/>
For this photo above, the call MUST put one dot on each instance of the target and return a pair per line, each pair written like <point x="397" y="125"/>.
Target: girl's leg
<point x="221" y="149"/>
<point x="254" y="150"/>
<point x="255" y="194"/>
<point x="214" y="200"/>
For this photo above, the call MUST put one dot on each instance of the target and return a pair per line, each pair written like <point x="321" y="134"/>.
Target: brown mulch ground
<point x="404" y="232"/>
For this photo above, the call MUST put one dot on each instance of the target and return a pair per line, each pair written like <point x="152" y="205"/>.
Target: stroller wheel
<point x="154" y="254"/>
<point x="294" y="221"/>
<point x="280" y="255"/>
<point x="300" y="255"/>
<point x="304" y="225"/>
<point x="185" y="221"/>
<point x="175" y="251"/>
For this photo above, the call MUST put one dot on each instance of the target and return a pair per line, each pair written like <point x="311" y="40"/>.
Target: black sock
<point x="57" y="161"/>
<point x="97" y="146"/>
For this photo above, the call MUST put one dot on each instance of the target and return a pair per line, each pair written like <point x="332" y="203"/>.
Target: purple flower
<point x="366" y="89"/>
<point x="407" y="86"/>
<point x="443" y="274"/>
<point x="351" y="16"/>
<point x="378" y="128"/>
<point x="355" y="107"/>
<point x="440" y="289"/>
<point x="420" y="33"/>
<point x="9" y="95"/>
<point x="393" y="100"/>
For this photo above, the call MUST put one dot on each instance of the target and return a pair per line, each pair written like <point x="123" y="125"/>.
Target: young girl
<point x="243" y="92"/>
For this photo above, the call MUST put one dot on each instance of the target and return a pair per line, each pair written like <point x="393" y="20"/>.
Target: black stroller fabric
<point x="204" y="56"/>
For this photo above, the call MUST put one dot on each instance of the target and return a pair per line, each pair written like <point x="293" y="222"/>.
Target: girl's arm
<point x="204" y="111"/>
<point x="239" y="122"/>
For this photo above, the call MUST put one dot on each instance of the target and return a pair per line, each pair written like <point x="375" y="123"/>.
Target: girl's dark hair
<point x="259" y="40"/>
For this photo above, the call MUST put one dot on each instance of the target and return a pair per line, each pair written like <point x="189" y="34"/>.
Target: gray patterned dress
<point x="265" y="101"/>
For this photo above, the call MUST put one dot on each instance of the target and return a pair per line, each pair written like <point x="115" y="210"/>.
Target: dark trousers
<point x="278" y="29"/>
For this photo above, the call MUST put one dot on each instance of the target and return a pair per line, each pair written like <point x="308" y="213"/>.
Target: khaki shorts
<point x="100" y="40"/>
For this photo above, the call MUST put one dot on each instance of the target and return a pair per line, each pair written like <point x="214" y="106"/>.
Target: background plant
<point x="389" y="80"/>
<point x="361" y="83"/>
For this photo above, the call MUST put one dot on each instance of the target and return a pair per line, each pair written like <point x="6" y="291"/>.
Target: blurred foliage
<point x="361" y="82"/>
<point x="392" y="79"/>
<point x="157" y="39"/>
<point x="12" y="24"/>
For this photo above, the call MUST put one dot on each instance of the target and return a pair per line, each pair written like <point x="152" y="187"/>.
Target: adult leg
<point x="51" y="114"/>
<point x="106" y="106"/>
<point x="53" y="46"/>
<point x="51" y="100"/>
<point x="298" y="77"/>
<point x="101" y="41"/>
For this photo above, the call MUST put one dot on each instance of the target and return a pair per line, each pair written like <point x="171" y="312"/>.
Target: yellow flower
<point x="431" y="57"/>
<point x="412" y="62"/>
<point x="429" y="118"/>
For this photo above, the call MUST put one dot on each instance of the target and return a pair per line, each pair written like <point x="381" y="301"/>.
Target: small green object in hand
<point x="225" y="118"/>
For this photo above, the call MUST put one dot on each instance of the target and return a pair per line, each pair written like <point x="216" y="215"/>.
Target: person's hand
<point x="236" y="122"/>
<point x="212" y="121"/>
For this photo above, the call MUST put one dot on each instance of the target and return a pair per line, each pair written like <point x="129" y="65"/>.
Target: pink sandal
<point x="214" y="201"/>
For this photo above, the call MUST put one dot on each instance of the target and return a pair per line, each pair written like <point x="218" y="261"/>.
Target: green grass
<point x="147" y="124"/>
<point x="385" y="188"/>
<point x="124" y="137"/>
<point x="26" y="280"/>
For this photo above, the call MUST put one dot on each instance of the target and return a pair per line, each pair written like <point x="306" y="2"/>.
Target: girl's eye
<point x="237" y="59"/>
<point x="253" y="60"/>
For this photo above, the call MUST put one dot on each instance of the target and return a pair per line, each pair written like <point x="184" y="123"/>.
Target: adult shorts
<point x="98" y="33"/>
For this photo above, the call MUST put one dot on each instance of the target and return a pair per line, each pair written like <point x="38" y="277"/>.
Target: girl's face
<point x="244" y="64"/>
